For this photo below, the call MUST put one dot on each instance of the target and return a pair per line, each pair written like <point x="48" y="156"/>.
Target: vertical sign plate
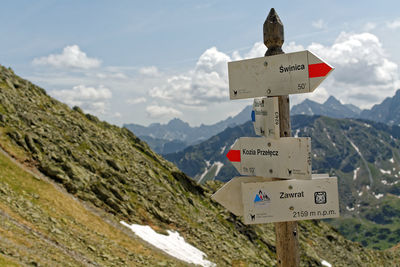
<point x="265" y="117"/>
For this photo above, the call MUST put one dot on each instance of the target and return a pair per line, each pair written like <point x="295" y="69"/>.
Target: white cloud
<point x="135" y="101"/>
<point x="292" y="47"/>
<point x="156" y="111"/>
<point x="394" y="24"/>
<point x="151" y="71"/>
<point x="258" y="50"/>
<point x="369" y="26"/>
<point x="90" y="99"/>
<point x="319" y="24"/>
<point x="364" y="74"/>
<point x="320" y="95"/>
<point x="206" y="84"/>
<point x="71" y="57"/>
<point x="116" y="75"/>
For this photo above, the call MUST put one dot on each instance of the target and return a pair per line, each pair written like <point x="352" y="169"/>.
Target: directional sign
<point x="265" y="116"/>
<point x="287" y="157"/>
<point x="292" y="73"/>
<point x="230" y="195"/>
<point x="290" y="200"/>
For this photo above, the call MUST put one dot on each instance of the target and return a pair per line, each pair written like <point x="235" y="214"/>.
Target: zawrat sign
<point x="290" y="200"/>
<point x="285" y="74"/>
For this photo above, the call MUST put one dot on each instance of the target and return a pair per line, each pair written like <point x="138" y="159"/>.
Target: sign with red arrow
<point x="292" y="73"/>
<point x="287" y="157"/>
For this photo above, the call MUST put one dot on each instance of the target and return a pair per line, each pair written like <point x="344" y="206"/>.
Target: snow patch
<point x="387" y="183"/>
<point x="355" y="173"/>
<point x="378" y="196"/>
<point x="219" y="167"/>
<point x="296" y="134"/>
<point x="354" y="146"/>
<point x="172" y="244"/>
<point x="367" y="125"/>
<point x="349" y="209"/>
<point x="384" y="171"/>
<point x="325" y="263"/>
<point x="222" y="150"/>
<point x="391" y="160"/>
<point x="205" y="170"/>
<point x="360" y="194"/>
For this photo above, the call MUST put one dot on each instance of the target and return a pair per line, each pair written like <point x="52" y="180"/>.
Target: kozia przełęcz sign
<point x="286" y="157"/>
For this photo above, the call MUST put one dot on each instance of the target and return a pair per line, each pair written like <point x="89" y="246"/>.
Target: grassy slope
<point x="110" y="168"/>
<point x="40" y="223"/>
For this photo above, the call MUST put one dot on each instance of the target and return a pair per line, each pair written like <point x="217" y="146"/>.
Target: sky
<point x="151" y="61"/>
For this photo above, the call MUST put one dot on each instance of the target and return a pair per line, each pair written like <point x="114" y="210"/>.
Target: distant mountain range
<point x="387" y="112"/>
<point x="364" y="155"/>
<point x="331" y="108"/>
<point x="177" y="134"/>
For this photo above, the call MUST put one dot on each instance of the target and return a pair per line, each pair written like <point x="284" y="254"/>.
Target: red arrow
<point x="318" y="70"/>
<point x="233" y="155"/>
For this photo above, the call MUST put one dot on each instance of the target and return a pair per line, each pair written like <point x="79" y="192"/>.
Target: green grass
<point x="6" y="262"/>
<point x="378" y="226"/>
<point x="77" y="227"/>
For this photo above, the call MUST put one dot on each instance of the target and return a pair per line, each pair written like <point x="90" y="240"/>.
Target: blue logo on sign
<point x="261" y="197"/>
<point x="253" y="115"/>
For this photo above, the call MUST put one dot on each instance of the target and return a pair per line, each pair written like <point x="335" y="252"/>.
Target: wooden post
<point x="287" y="238"/>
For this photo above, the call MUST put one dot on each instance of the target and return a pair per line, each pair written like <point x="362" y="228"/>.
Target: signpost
<point x="287" y="157"/>
<point x="260" y="198"/>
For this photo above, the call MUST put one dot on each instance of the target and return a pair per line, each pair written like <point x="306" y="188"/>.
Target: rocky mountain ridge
<point x="331" y="108"/>
<point x="177" y="134"/>
<point x="363" y="154"/>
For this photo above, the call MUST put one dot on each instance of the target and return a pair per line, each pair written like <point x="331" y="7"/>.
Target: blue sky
<point x="151" y="61"/>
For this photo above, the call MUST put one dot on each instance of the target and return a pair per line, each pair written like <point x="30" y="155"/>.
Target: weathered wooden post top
<point x="273" y="34"/>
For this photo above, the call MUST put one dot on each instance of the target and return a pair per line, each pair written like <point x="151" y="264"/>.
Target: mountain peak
<point x="332" y="100"/>
<point x="332" y="107"/>
<point x="175" y="122"/>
